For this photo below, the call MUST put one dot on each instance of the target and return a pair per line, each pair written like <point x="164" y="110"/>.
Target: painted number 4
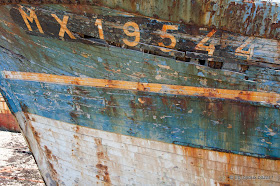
<point x="211" y="48"/>
<point x="240" y="52"/>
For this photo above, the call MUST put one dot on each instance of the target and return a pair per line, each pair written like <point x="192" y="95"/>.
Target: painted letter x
<point x="63" y="28"/>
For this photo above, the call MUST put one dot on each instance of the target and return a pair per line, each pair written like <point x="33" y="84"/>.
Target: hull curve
<point x="112" y="97"/>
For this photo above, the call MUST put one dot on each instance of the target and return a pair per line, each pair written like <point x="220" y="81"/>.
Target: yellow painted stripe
<point x="270" y="98"/>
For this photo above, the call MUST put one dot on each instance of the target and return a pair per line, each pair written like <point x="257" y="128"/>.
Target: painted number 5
<point x="169" y="36"/>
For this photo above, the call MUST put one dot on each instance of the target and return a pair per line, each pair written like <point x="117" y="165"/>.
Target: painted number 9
<point x="135" y="33"/>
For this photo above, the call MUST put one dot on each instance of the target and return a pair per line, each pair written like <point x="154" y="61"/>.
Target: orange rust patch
<point x="225" y="165"/>
<point x="76" y="137"/>
<point x="77" y="128"/>
<point x="54" y="158"/>
<point x="54" y="173"/>
<point x="223" y="184"/>
<point x="229" y="126"/>
<point x="50" y="157"/>
<point x="102" y="157"/>
<point x="25" y="113"/>
<point x="36" y="134"/>
<point x="271" y="98"/>
<point x="49" y="154"/>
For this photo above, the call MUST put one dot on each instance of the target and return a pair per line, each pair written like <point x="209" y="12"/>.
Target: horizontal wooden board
<point x="184" y="120"/>
<point x="104" y="26"/>
<point x="269" y="98"/>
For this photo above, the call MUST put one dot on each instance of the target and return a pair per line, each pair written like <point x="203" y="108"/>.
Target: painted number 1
<point x="98" y="23"/>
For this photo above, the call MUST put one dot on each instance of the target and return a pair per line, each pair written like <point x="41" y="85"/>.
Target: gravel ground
<point x="17" y="165"/>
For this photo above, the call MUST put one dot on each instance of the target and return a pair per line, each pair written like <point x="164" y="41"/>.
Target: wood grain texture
<point x="114" y="77"/>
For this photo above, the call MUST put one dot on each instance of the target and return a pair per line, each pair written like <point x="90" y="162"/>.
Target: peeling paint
<point x="150" y="103"/>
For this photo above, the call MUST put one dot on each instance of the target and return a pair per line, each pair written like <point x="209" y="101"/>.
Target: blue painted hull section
<point x="178" y="125"/>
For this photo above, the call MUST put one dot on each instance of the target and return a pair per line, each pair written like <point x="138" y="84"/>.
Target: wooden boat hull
<point x="110" y="96"/>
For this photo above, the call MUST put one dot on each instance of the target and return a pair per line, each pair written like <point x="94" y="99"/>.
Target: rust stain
<point x="228" y="160"/>
<point x="133" y="5"/>
<point x="36" y="134"/>
<point x="49" y="154"/>
<point x="51" y="157"/>
<point x="77" y="141"/>
<point x="25" y="110"/>
<point x="76" y="137"/>
<point x="54" y="173"/>
<point x="223" y="184"/>
<point x="111" y="107"/>
<point x="103" y="172"/>
<point x="77" y="129"/>
<point x="145" y="101"/>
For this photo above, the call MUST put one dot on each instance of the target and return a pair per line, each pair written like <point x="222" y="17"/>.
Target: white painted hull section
<point x="68" y="154"/>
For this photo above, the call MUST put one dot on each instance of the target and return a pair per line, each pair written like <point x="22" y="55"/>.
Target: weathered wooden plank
<point x="137" y="174"/>
<point x="270" y="98"/>
<point x="167" y="112"/>
<point x="151" y="37"/>
<point x="201" y="79"/>
<point x="244" y="87"/>
<point x="87" y="149"/>
<point x="207" y="173"/>
<point x="219" y="130"/>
